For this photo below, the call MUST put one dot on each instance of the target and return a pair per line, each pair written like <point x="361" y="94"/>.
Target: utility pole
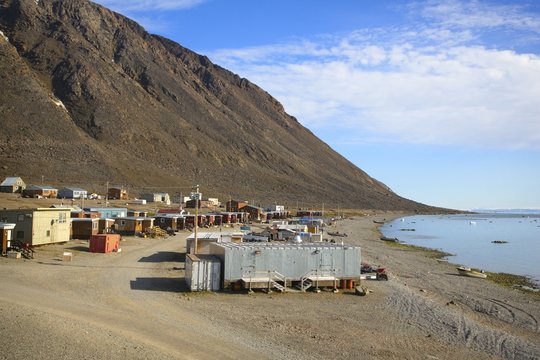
<point x="107" y="195"/>
<point x="196" y="219"/>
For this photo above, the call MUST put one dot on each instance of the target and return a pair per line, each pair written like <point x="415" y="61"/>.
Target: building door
<point x="249" y="264"/>
<point x="326" y="264"/>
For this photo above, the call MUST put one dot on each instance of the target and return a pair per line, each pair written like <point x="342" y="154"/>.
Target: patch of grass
<point x="511" y="280"/>
<point x="432" y="253"/>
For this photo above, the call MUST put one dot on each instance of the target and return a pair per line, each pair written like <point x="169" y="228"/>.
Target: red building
<point x="235" y="205"/>
<point x="104" y="243"/>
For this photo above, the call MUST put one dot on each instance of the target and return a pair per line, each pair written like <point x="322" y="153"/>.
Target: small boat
<point x="499" y="242"/>
<point x="378" y="222"/>
<point x="386" y="238"/>
<point x="337" y="233"/>
<point x="466" y="271"/>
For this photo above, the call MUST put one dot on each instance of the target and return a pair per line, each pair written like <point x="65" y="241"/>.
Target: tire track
<point x="533" y="325"/>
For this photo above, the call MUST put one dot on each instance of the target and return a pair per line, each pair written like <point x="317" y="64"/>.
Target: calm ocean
<point x="469" y="238"/>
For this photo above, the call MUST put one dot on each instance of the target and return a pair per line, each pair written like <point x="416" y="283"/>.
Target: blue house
<point x="108" y="212"/>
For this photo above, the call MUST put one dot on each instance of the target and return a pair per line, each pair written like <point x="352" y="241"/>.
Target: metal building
<point x="272" y="265"/>
<point x="203" y="273"/>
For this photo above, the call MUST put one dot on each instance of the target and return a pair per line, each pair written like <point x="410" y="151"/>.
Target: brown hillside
<point x="144" y="111"/>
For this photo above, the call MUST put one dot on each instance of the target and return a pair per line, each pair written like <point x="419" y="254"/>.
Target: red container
<point x="104" y="243"/>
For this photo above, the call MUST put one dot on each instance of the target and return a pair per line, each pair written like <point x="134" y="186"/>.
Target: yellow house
<point x="39" y="226"/>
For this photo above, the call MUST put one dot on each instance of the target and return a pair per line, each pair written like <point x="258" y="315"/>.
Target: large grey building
<point x="276" y="265"/>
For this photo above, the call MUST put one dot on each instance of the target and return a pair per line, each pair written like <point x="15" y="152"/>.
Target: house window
<point x="48" y="233"/>
<point x="20" y="217"/>
<point x="20" y="234"/>
<point x="94" y="225"/>
<point x="123" y="222"/>
<point x="162" y="220"/>
<point x="62" y="218"/>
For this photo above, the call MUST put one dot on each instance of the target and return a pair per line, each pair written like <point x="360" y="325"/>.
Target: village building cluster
<point x="288" y="251"/>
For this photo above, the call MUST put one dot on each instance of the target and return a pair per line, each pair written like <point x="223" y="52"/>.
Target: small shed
<point x="132" y="225"/>
<point x="105" y="226"/>
<point x="104" y="243"/>
<point x="137" y="213"/>
<point x="12" y="184"/>
<point x="117" y="193"/>
<point x="84" y="228"/>
<point x="190" y="220"/>
<point x="203" y="273"/>
<point x="167" y="221"/>
<point x="6" y="235"/>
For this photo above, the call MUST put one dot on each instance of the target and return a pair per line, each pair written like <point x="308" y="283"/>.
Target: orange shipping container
<point x="104" y="243"/>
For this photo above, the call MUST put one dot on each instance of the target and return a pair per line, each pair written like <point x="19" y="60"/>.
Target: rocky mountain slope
<point x="88" y="96"/>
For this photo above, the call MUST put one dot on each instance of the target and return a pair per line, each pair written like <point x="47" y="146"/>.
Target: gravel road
<point x="134" y="305"/>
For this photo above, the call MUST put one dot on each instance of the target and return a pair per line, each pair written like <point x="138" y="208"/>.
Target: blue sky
<point x="440" y="100"/>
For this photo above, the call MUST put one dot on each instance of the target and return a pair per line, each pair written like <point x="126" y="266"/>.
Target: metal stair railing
<point x="24" y="248"/>
<point x="273" y="279"/>
<point x="306" y="282"/>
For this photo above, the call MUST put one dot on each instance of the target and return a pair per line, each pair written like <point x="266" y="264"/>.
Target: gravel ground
<point x="133" y="305"/>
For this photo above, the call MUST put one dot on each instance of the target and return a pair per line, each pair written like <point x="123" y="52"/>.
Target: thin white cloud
<point x="429" y="84"/>
<point x="469" y="14"/>
<point x="148" y="5"/>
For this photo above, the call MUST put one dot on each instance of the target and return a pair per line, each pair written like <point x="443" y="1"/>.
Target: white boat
<point x="466" y="271"/>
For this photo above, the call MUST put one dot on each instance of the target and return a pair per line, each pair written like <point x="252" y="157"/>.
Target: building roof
<point x="73" y="208"/>
<point x="100" y="209"/>
<point x="290" y="227"/>
<point x="74" y="189"/>
<point x="276" y="246"/>
<point x="215" y="235"/>
<point x="10" y="181"/>
<point x="40" y="187"/>
<point x="85" y="219"/>
<point x="254" y="207"/>
<point x="167" y="215"/>
<point x="133" y="218"/>
<point x="28" y="210"/>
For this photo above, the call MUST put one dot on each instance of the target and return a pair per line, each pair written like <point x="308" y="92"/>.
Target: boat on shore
<point x="337" y="233"/>
<point x="378" y="222"/>
<point x="390" y="239"/>
<point x="466" y="271"/>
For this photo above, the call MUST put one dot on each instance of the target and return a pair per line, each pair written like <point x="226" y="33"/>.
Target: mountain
<point x="88" y="96"/>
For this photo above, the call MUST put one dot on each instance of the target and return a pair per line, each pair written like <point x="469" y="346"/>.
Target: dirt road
<point x="133" y="305"/>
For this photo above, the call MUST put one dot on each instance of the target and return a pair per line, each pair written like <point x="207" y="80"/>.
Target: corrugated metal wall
<point x="203" y="273"/>
<point x="293" y="261"/>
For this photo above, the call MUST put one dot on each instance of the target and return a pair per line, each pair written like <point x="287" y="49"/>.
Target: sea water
<point x="469" y="238"/>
